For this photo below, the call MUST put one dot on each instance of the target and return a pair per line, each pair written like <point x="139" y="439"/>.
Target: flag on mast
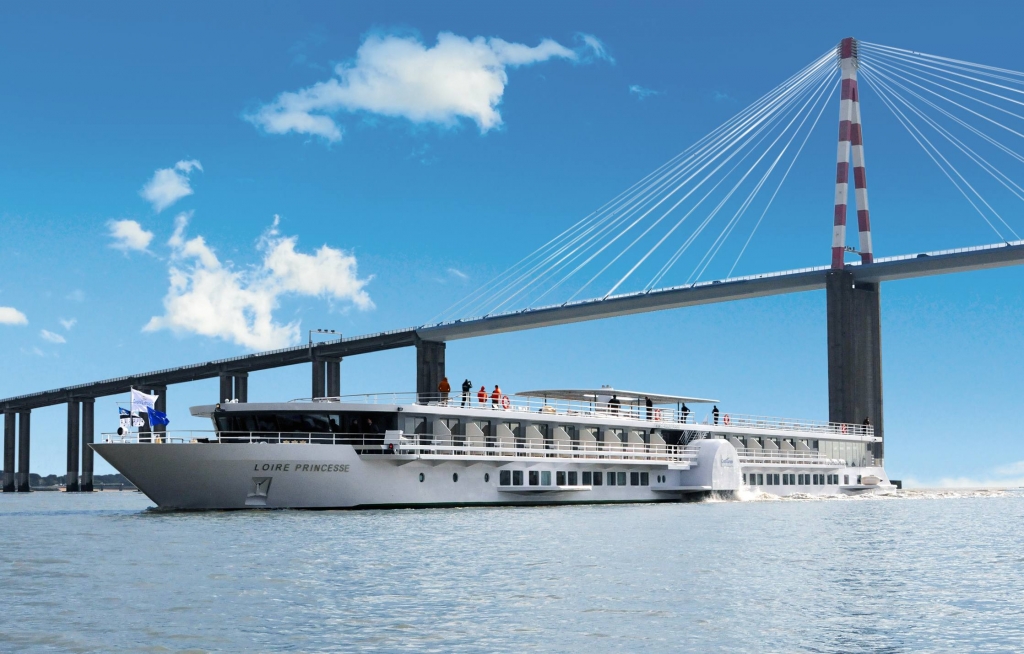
<point x="141" y="402"/>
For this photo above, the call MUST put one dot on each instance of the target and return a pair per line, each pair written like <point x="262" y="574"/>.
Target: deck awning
<point x="592" y="395"/>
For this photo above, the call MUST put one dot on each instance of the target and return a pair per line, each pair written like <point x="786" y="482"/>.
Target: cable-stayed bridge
<point x="630" y="255"/>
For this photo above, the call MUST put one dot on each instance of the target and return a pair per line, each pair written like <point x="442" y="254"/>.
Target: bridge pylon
<point x="853" y="308"/>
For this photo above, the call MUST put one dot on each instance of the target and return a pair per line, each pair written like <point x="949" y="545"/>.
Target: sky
<point x="189" y="182"/>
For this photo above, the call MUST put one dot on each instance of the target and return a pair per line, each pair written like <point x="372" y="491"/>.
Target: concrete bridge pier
<point x="429" y="368"/>
<point x="74" y="434"/>
<point x="160" y="405"/>
<point x="319" y="386"/>
<point x="24" y="436"/>
<point x="234" y="386"/>
<point x="332" y="376"/>
<point x="88" y="429"/>
<point x="854" y="353"/>
<point x="10" y="426"/>
<point x="242" y="386"/>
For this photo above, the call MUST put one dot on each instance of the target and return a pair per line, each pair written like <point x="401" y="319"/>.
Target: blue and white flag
<point x="157" y="418"/>
<point x="127" y="421"/>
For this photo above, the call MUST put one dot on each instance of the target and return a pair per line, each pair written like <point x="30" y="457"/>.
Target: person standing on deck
<point x="481" y="395"/>
<point x="650" y="407"/>
<point x="685" y="412"/>
<point x="443" y="389"/>
<point x="714" y="412"/>
<point x="495" y="397"/>
<point x="467" y="386"/>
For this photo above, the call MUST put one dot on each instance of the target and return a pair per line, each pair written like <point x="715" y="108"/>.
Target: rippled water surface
<point x="920" y="572"/>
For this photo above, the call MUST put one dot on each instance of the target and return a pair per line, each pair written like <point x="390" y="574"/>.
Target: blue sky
<point x="149" y="153"/>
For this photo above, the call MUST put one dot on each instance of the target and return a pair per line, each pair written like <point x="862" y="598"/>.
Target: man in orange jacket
<point x="495" y="397"/>
<point x="443" y="389"/>
<point x="481" y="395"/>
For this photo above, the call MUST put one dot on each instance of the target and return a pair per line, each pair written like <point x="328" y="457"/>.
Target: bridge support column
<point x="333" y="377"/>
<point x="88" y="430"/>
<point x="226" y="391"/>
<point x="160" y="405"/>
<point x="241" y="386"/>
<point x="854" y="353"/>
<point x="74" y="434"/>
<point x="319" y="378"/>
<point x="24" y="436"/>
<point x="10" y="426"/>
<point x="429" y="368"/>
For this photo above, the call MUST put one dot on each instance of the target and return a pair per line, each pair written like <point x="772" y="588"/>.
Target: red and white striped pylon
<point x="850" y="134"/>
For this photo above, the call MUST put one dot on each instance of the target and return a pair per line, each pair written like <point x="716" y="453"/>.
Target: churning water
<point x="918" y="572"/>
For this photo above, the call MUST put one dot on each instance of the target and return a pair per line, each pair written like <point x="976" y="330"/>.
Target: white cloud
<point x="11" y="316"/>
<point x="68" y="324"/>
<point x="169" y="185"/>
<point x="458" y="273"/>
<point x="642" y="93"/>
<point x="129" y="235"/>
<point x="400" y="77"/>
<point x="52" y="337"/>
<point x="212" y="298"/>
<point x="596" y="47"/>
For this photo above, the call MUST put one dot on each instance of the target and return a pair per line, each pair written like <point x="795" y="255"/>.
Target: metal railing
<point x="395" y="443"/>
<point x="670" y="418"/>
<point x="752" y="456"/>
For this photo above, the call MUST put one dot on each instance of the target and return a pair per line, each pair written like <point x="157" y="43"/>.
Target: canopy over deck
<point x="592" y="395"/>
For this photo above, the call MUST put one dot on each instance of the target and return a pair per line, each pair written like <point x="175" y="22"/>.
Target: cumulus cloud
<point x="642" y="93"/>
<point x="169" y="185"/>
<point x="213" y="298"/>
<point x="68" y="324"/>
<point x="129" y="235"/>
<point x="398" y="76"/>
<point x="11" y="316"/>
<point x="52" y="337"/>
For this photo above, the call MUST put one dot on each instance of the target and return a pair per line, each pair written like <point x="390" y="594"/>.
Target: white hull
<point x="314" y="476"/>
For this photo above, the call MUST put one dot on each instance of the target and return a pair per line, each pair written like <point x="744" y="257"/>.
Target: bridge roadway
<point x="793" y="281"/>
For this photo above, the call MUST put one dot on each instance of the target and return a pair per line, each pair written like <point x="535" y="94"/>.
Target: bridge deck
<point x="792" y="281"/>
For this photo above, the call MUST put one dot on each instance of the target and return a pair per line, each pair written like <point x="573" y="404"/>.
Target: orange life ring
<point x="505" y="402"/>
<point x="844" y="428"/>
<point x="726" y="419"/>
<point x="657" y="415"/>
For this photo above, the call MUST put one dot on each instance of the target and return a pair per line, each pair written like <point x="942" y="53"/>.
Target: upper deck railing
<point x="666" y="417"/>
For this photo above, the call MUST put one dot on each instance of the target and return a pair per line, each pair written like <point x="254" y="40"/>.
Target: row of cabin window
<point x="348" y="422"/>
<point x="790" y="479"/>
<point x="457" y="426"/>
<point x="570" y="477"/>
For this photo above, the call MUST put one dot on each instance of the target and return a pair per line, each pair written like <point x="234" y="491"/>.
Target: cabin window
<point x="455" y="476"/>
<point x="760" y="479"/>
<point x="846" y="479"/>
<point x="545" y="478"/>
<point x="505" y="477"/>
<point x="645" y="479"/>
<point x="534" y="478"/>
<point x="422" y="476"/>
<point x="560" y="478"/>
<point x="785" y="480"/>
<point x="611" y="479"/>
<point x="487" y="477"/>
<point x="622" y="478"/>
<point x="634" y="479"/>
<point x="572" y="478"/>
<point x="588" y="478"/>
<point x="769" y="480"/>
<point x="744" y="478"/>
<point x="598" y="477"/>
<point x="517" y="477"/>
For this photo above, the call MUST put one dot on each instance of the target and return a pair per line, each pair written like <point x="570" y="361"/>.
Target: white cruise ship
<point x="540" y="447"/>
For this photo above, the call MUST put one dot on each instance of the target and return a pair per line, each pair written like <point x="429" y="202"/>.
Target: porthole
<point x="422" y="476"/>
<point x="455" y="476"/>
<point x="487" y="477"/>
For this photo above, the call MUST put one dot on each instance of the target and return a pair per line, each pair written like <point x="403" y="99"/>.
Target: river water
<point x="925" y="571"/>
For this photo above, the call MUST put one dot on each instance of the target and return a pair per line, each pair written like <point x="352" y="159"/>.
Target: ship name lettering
<point x="301" y="467"/>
